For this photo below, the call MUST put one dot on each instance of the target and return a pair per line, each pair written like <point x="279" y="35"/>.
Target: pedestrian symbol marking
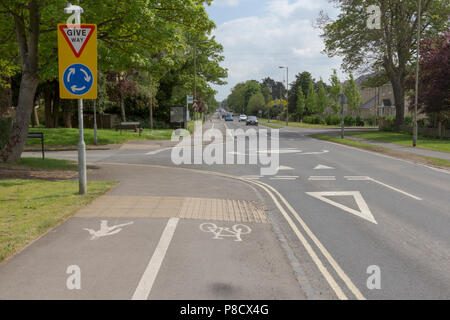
<point x="220" y="232"/>
<point x="77" y="37"/>
<point x="364" y="211"/>
<point x="78" y="79"/>
<point x="105" y="230"/>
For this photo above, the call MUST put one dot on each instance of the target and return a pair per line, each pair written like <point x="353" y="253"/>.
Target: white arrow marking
<point x="71" y="72"/>
<point x="322" y="167"/>
<point x="364" y="211"/>
<point x="75" y="88"/>
<point x="105" y="230"/>
<point x="285" y="168"/>
<point x="87" y="78"/>
<point x="318" y="152"/>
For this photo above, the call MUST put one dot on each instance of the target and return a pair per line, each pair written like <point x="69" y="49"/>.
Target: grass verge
<point x="404" y="139"/>
<point x="69" y="136"/>
<point x="30" y="207"/>
<point x="270" y="125"/>
<point x="41" y="164"/>
<point x="404" y="155"/>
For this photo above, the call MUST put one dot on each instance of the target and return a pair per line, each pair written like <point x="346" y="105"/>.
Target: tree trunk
<point x="13" y="149"/>
<point x="28" y="49"/>
<point x="67" y="116"/>
<point x="151" y="113"/>
<point x="399" y="95"/>
<point x="122" y="109"/>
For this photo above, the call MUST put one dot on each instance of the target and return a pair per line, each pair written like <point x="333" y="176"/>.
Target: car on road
<point x="242" y="117"/>
<point x="229" y="118"/>
<point x="252" y="121"/>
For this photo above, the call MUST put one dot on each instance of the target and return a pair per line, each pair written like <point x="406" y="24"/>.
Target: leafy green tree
<point x="322" y="98"/>
<point x="392" y="46"/>
<point x="335" y="90"/>
<point x="256" y="103"/>
<point x="301" y="102"/>
<point x="353" y="96"/>
<point x="311" y="98"/>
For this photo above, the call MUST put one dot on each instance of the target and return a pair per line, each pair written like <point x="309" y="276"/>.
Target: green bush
<point x="314" y="120"/>
<point x="5" y="129"/>
<point x="349" y="121"/>
<point x="409" y="120"/>
<point x="333" y="119"/>
<point x="359" y="121"/>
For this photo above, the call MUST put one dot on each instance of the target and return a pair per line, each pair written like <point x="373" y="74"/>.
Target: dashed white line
<point x="148" y="278"/>
<point x="322" y="178"/>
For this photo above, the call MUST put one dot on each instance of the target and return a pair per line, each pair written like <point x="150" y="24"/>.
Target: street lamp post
<point x="287" y="94"/>
<point x="416" y="102"/>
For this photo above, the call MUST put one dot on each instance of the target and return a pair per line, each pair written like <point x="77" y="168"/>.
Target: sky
<point x="258" y="36"/>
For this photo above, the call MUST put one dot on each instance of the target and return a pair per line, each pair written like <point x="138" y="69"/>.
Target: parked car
<point x="242" y="117"/>
<point x="229" y="118"/>
<point x="252" y="121"/>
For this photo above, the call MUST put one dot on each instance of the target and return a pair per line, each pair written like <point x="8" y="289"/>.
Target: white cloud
<point x="255" y="46"/>
<point x="226" y="3"/>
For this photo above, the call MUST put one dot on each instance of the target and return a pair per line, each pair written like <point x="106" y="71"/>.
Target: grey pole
<point x="416" y="102"/>
<point x="195" y="77"/>
<point x="95" y="122"/>
<point x="81" y="151"/>
<point x="287" y="96"/>
<point x="342" y="121"/>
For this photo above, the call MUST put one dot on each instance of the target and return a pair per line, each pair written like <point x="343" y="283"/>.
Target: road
<point x="343" y="223"/>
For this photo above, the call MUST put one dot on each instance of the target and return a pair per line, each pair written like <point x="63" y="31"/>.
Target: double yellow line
<point x="275" y="196"/>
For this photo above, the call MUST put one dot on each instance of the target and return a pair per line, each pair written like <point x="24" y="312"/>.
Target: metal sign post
<point x="342" y="102"/>
<point x="77" y="62"/>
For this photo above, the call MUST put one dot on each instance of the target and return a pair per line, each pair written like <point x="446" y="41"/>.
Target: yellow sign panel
<point x="77" y="61"/>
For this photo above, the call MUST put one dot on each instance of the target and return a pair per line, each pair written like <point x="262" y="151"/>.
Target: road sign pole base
<point x="82" y="177"/>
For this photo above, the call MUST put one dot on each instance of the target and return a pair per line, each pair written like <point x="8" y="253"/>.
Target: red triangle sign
<point x="77" y="37"/>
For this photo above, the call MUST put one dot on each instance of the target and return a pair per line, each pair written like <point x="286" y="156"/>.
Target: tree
<point x="311" y="98"/>
<point x="390" y="47"/>
<point x="434" y="78"/>
<point x="26" y="19"/>
<point x="323" y="100"/>
<point x="256" y="103"/>
<point x="132" y="35"/>
<point x="352" y="93"/>
<point x="300" y="103"/>
<point x="335" y="90"/>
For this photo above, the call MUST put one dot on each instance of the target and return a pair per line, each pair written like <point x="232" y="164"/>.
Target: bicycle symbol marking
<point x="220" y="232"/>
<point x="78" y="79"/>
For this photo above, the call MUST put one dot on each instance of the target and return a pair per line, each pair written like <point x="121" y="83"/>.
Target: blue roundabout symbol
<point x="78" y="79"/>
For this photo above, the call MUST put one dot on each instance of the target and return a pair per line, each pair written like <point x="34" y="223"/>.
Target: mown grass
<point x="28" y="208"/>
<point x="41" y="164"/>
<point x="367" y="146"/>
<point x="297" y="124"/>
<point x="404" y="139"/>
<point x="69" y="136"/>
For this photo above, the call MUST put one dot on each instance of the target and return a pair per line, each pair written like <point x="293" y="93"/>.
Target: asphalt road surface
<point x="342" y="223"/>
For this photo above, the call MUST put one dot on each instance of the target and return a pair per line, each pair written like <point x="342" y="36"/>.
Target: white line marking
<point x="319" y="245"/>
<point x="284" y="168"/>
<point x="283" y="178"/>
<point x="157" y="151"/>
<point x="148" y="278"/>
<point x="395" y="189"/>
<point x="364" y="211"/>
<point x="317" y="152"/>
<point x="322" y="178"/>
<point x="328" y="277"/>
<point x="362" y="178"/>
<point x="357" y="178"/>
<point x="385" y="156"/>
<point x="322" y="167"/>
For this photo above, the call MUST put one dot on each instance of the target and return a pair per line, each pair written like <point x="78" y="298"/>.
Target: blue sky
<point x="260" y="35"/>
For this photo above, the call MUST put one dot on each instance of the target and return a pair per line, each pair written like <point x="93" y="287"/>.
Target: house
<point x="376" y="101"/>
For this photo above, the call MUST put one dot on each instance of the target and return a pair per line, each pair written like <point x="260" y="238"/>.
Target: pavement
<point x="334" y="222"/>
